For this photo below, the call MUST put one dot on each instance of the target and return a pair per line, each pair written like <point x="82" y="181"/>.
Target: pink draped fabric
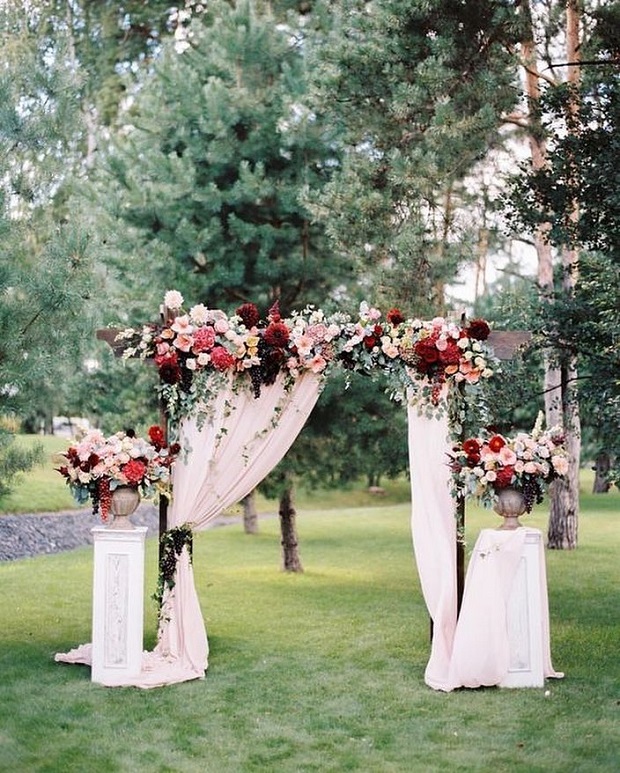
<point x="481" y="652"/>
<point x="433" y="526"/>
<point x="474" y="650"/>
<point x="240" y="442"/>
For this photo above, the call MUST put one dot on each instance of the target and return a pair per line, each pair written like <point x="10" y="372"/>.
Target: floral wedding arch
<point x="237" y="392"/>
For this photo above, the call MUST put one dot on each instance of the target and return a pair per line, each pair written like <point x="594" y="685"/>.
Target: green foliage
<point x="14" y="460"/>
<point x="418" y="89"/>
<point x="46" y="272"/>
<point x="354" y="432"/>
<point x="581" y="177"/>
<point x="220" y="144"/>
<point x="321" y="671"/>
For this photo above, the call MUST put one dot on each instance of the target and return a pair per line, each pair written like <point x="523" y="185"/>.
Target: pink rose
<point x="183" y="342"/>
<point x="221" y="358"/>
<point x="317" y="363"/>
<point x="204" y="339"/>
<point x="182" y="325"/>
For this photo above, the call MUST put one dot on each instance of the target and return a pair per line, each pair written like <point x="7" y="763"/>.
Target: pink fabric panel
<point x="222" y="468"/>
<point x="481" y="652"/>
<point x="241" y="442"/>
<point x="433" y="525"/>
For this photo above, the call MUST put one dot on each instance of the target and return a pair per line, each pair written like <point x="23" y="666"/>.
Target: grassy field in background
<point x="318" y="672"/>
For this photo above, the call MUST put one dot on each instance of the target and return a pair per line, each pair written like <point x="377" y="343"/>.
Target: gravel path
<point x="32" y="535"/>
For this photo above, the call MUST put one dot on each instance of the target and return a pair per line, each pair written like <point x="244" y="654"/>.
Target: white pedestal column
<point x="118" y="604"/>
<point x="524" y="618"/>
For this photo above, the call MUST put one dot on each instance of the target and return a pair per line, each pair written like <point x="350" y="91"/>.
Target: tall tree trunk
<point x="291" y="562"/>
<point x="564" y="513"/>
<point x="601" y="468"/>
<point x="250" y="516"/>
<point x="561" y="403"/>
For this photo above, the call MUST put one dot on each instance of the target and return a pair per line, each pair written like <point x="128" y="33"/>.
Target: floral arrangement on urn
<point x="490" y="467"/>
<point x="97" y="467"/>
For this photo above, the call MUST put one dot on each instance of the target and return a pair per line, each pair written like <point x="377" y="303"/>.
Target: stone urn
<point x="124" y="500"/>
<point x="510" y="505"/>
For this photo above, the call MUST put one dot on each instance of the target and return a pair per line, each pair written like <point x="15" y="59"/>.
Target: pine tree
<point x="220" y="146"/>
<point x="419" y="89"/>
<point x="45" y="271"/>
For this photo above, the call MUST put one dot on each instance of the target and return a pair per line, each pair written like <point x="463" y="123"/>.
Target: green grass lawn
<point x="42" y="488"/>
<point x="315" y="672"/>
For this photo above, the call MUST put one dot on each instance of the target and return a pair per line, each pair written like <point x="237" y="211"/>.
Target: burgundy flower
<point x="170" y="372"/>
<point x="394" y="317"/>
<point x="427" y="351"/>
<point x="504" y="476"/>
<point x="273" y="315"/>
<point x="157" y="437"/>
<point x="276" y="334"/>
<point x="451" y="355"/>
<point x="478" y="329"/>
<point x="249" y="314"/>
<point x="370" y="342"/>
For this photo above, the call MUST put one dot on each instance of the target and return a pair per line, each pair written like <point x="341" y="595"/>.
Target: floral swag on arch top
<point x="237" y="391"/>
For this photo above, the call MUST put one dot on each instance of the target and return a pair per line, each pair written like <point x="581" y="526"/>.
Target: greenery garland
<point x="172" y="543"/>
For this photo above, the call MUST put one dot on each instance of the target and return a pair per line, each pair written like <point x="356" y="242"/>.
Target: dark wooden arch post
<point x="109" y="335"/>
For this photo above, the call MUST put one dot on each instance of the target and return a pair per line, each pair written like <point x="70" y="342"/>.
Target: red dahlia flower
<point x="249" y="314"/>
<point x="276" y="334"/>
<point x="496" y="443"/>
<point x="170" y="372"/>
<point x="134" y="471"/>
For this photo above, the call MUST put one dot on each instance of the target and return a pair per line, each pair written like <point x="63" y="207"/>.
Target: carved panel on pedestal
<point x="116" y="610"/>
<point x="518" y="621"/>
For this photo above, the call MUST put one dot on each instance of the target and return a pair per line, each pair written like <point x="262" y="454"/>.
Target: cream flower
<point x="173" y="299"/>
<point x="198" y="314"/>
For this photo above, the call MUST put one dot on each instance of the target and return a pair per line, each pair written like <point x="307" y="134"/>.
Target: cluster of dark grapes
<point x="266" y="372"/>
<point x="172" y="544"/>
<point x="257" y="379"/>
<point x="186" y="377"/>
<point x="532" y="493"/>
<point x="101" y="497"/>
